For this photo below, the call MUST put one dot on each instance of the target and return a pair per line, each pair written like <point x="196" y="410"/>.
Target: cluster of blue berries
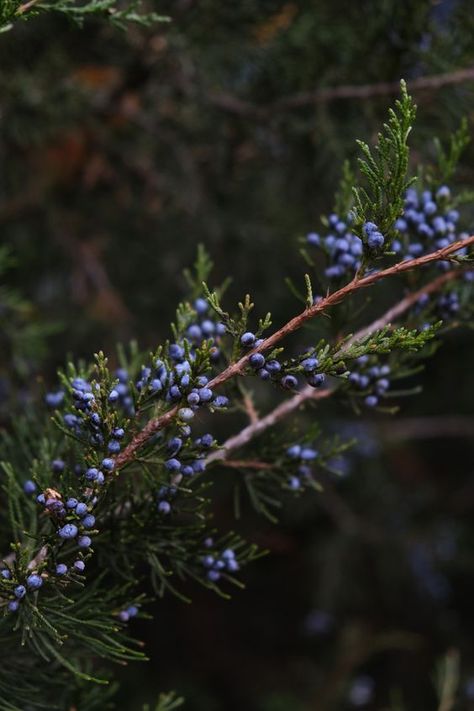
<point x="206" y="327"/>
<point x="343" y="248"/>
<point x="187" y="458"/>
<point x="177" y="383"/>
<point x="73" y="518"/>
<point x="300" y="455"/>
<point x="121" y="393"/>
<point x="273" y="370"/>
<point x="216" y="564"/>
<point x="32" y="583"/>
<point x="427" y="223"/>
<point x="370" y="379"/>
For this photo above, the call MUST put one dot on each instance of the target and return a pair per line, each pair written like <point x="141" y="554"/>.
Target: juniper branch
<point x="238" y="367"/>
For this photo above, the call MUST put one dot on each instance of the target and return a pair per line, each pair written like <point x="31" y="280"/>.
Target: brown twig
<point x="249" y="407"/>
<point x="26" y="6"/>
<point x="279" y="413"/>
<point x="233" y="104"/>
<point x="237" y="368"/>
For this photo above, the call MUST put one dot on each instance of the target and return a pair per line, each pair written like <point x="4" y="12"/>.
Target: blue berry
<point x="55" y="399"/>
<point x="207" y="440"/>
<point x="185" y="414"/>
<point x="61" y="569"/>
<point x="273" y="366"/>
<point x="88" y="521"/>
<point x="113" y="446"/>
<point x="247" y="339"/>
<point x="84" y="542"/>
<point x="206" y="394"/>
<point x="6" y="575"/>
<point x="118" y="432"/>
<point x="371" y="401"/>
<point x="41" y="499"/>
<point x="316" y="380"/>
<point x="289" y="381"/>
<point x="294" y="483"/>
<point x="193" y="398"/>
<point x="173" y="465"/>
<point x="57" y="465"/>
<point x="71" y="503"/>
<point x="29" y="487"/>
<point x="257" y="360"/>
<point x="13" y="605"/>
<point x="221" y="401"/>
<point x="81" y="509"/>
<point x="91" y="474"/>
<point x="68" y="531"/>
<point x="201" y="306"/>
<point x="164" y="507"/>
<point x="313" y="239"/>
<point x="213" y="575"/>
<point x="34" y="581"/>
<point x="369" y="228"/>
<point x="132" y="610"/>
<point x="294" y="451"/>
<point x="79" y="565"/>
<point x="309" y="364"/>
<point x="108" y="464"/>
<point x="375" y="240"/>
<point x="19" y="591"/>
<point x="307" y="454"/>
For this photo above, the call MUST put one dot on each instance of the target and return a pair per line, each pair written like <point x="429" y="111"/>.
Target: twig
<point x="26" y="6"/>
<point x="246" y="464"/>
<point x="233" y="104"/>
<point x="280" y="412"/>
<point x="250" y="408"/>
<point x="294" y="324"/>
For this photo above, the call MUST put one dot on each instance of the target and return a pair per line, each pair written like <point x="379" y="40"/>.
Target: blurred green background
<point x="119" y="153"/>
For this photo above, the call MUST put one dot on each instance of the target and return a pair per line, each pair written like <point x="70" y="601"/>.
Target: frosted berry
<point x="29" y="487"/>
<point x="247" y="339"/>
<point x="34" y="581"/>
<point x="68" y="531"/>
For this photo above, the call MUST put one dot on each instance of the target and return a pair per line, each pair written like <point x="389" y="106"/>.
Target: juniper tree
<point x="106" y="477"/>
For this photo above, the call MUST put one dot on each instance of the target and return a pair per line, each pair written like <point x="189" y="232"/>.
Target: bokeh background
<point x="119" y="153"/>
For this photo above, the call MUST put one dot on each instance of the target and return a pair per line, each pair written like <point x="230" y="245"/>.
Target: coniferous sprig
<point x="118" y="13"/>
<point x="385" y="170"/>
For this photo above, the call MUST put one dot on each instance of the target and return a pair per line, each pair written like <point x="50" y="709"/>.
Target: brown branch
<point x="294" y="324"/>
<point x="279" y="413"/>
<point x="249" y="407"/>
<point x="246" y="464"/>
<point x="233" y="104"/>
<point x="26" y="6"/>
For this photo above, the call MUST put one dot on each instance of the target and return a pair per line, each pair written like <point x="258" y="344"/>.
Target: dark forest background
<point x="119" y="154"/>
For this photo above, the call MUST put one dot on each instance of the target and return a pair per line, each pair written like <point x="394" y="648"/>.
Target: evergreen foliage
<point x="111" y="476"/>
